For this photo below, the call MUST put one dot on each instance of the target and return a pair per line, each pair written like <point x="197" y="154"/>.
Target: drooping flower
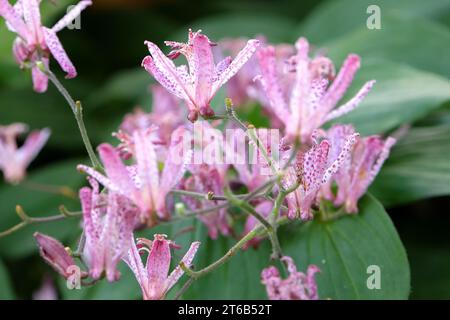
<point x="297" y="286"/>
<point x="36" y="42"/>
<point x="108" y="223"/>
<point x="310" y="171"/>
<point x="198" y="82"/>
<point x="14" y="160"/>
<point x="153" y="277"/>
<point x="54" y="253"/>
<point x="359" y="170"/>
<point x="142" y="183"/>
<point x="308" y="101"/>
<point x="204" y="179"/>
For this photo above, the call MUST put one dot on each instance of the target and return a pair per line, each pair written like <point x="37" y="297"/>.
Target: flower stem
<point x="27" y="220"/>
<point x="78" y="112"/>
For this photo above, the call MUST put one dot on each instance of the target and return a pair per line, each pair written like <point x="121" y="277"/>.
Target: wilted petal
<point x="54" y="253"/>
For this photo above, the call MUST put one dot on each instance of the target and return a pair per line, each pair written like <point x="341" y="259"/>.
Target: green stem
<point x="78" y="112"/>
<point x="27" y="220"/>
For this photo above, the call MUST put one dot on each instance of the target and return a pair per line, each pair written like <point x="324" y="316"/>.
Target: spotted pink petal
<point x="270" y="82"/>
<point x="353" y="103"/>
<point x="204" y="71"/>
<point x="58" y="52"/>
<point x="187" y="260"/>
<point x="14" y="20"/>
<point x="301" y="90"/>
<point x="32" y="18"/>
<point x="243" y="56"/>
<point x="71" y="15"/>
<point x="341" y="83"/>
<point x="165" y="72"/>
<point x="158" y="263"/>
<point x="134" y="262"/>
<point x="116" y="170"/>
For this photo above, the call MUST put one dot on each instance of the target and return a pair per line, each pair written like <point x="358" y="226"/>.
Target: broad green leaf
<point x="401" y="95"/>
<point x="345" y="248"/>
<point x="37" y="202"/>
<point x="346" y="15"/>
<point x="417" y="42"/>
<point x="6" y="291"/>
<point x="417" y="168"/>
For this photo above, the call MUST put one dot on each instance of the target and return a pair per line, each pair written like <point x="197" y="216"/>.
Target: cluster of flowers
<point x="298" y="93"/>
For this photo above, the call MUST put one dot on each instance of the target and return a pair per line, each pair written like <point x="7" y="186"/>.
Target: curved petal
<point x="57" y="50"/>
<point x="187" y="260"/>
<point x="243" y="56"/>
<point x="14" y="20"/>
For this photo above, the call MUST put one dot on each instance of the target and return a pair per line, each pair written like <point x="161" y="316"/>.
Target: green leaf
<point x="417" y="168"/>
<point x="401" y="95"/>
<point x="346" y="15"/>
<point x="6" y="291"/>
<point x="38" y="204"/>
<point x="419" y="43"/>
<point x="345" y="248"/>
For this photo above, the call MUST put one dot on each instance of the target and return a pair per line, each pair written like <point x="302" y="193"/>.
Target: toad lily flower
<point x="154" y="277"/>
<point x="311" y="170"/>
<point x="309" y="101"/>
<point x="36" y="42"/>
<point x="198" y="83"/>
<point x="359" y="170"/>
<point x="54" y="253"/>
<point x="142" y="183"/>
<point x="14" y="160"/>
<point x="108" y="222"/>
<point x="298" y="286"/>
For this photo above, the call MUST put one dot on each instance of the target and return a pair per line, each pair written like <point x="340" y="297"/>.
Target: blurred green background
<point x="409" y="57"/>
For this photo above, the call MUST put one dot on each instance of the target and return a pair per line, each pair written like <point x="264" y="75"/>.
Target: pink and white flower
<point x="310" y="171"/>
<point x="308" y="101"/>
<point x="108" y="223"/>
<point x="297" y="286"/>
<point x="142" y="183"/>
<point x="359" y="170"/>
<point x="153" y="277"/>
<point x="198" y="82"/>
<point x="14" y="160"/>
<point x="36" y="42"/>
